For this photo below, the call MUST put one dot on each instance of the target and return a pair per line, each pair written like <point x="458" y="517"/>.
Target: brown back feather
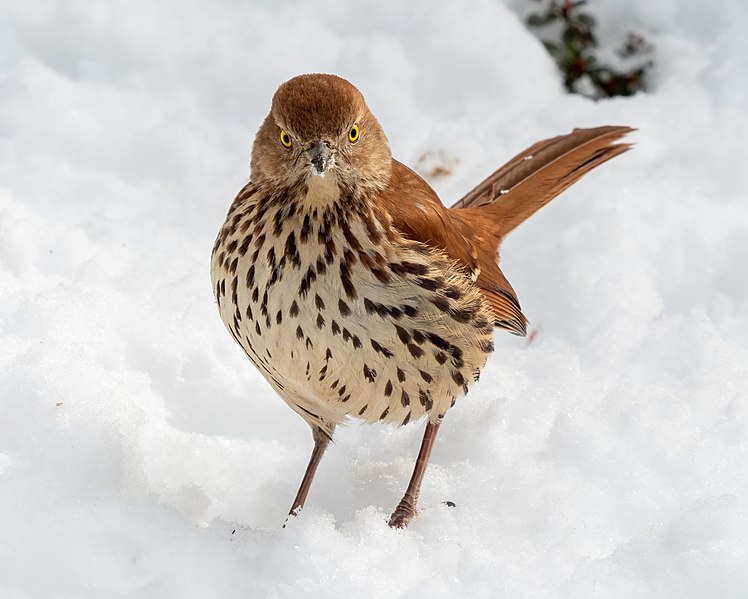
<point x="472" y="230"/>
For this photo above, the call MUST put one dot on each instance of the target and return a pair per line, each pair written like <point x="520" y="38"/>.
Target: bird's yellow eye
<point x="353" y="134"/>
<point x="286" y="139"/>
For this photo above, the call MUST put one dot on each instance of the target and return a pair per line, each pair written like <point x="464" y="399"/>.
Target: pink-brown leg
<point x="321" y="441"/>
<point x="406" y="509"/>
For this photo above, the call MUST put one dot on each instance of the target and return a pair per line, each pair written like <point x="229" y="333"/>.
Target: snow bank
<point x="141" y="454"/>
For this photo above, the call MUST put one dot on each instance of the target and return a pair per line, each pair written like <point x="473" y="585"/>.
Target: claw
<point x="402" y="515"/>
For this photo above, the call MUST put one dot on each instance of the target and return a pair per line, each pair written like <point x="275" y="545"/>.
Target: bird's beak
<point x="320" y="158"/>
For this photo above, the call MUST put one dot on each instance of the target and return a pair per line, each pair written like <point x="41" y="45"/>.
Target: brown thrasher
<point x="348" y="284"/>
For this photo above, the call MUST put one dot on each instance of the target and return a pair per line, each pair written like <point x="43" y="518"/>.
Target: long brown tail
<point x="534" y="177"/>
<point x="515" y="192"/>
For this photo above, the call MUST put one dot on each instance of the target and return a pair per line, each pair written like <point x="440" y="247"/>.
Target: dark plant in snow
<point x="568" y="34"/>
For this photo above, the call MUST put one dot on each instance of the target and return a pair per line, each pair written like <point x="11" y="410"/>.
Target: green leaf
<point x="587" y="20"/>
<point x="538" y="20"/>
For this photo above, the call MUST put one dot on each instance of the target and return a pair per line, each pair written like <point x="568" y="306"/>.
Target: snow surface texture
<point x="142" y="455"/>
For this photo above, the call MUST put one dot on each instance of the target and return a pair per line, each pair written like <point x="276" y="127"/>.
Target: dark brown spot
<point x="400" y="375"/>
<point x="350" y="237"/>
<point x="320" y="321"/>
<point x="396" y="313"/>
<point x="410" y="311"/>
<point x="335" y="328"/>
<point x="404" y="398"/>
<point x="343" y="308"/>
<point x="438" y="341"/>
<point x="415" y="268"/>
<point x="345" y="274"/>
<point x="380" y="349"/>
<point x="462" y="315"/>
<point x="307" y="281"/>
<point x="380" y="274"/>
<point x="299" y="332"/>
<point x="234" y="295"/>
<point x="369" y="373"/>
<point x="371" y="229"/>
<point x="388" y="389"/>
<point x="429" y="284"/>
<point x="456" y="356"/>
<point x="306" y="228"/>
<point x="384" y="414"/>
<point x="414" y="350"/>
<point x="291" y="251"/>
<point x="294" y="311"/>
<point x="402" y="334"/>
<point x="330" y="251"/>
<point x="425" y="399"/>
<point x="250" y="277"/>
<point x="441" y="303"/>
<point x="453" y="293"/>
<point x="278" y="222"/>
<point x="426" y="376"/>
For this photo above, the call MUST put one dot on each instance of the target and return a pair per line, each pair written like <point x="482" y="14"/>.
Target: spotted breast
<point x="343" y="315"/>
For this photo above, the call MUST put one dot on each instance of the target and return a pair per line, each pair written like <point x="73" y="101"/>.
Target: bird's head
<point x="321" y="133"/>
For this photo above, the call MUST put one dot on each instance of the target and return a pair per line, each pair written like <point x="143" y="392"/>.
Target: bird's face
<point x="319" y="127"/>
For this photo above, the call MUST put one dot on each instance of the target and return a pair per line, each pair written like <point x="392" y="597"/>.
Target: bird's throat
<point x="322" y="190"/>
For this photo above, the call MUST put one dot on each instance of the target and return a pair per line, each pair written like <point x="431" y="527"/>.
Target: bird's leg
<point x="321" y="441"/>
<point x="406" y="509"/>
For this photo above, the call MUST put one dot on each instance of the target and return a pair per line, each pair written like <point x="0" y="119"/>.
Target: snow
<point x="142" y="455"/>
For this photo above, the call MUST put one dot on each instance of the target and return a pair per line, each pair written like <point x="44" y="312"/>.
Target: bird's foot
<point x="403" y="514"/>
<point x="292" y="514"/>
